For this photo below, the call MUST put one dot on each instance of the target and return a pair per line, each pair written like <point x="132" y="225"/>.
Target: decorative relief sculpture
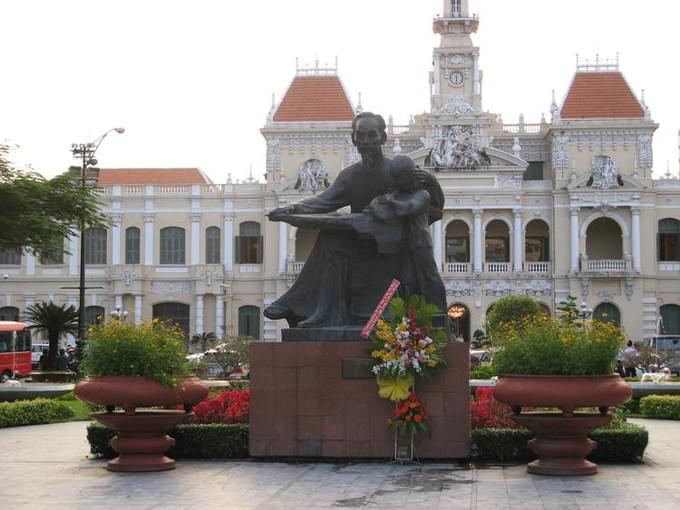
<point x="644" y="152"/>
<point x="606" y="295"/>
<point x="128" y="277"/>
<point x="603" y="174"/>
<point x="170" y="288"/>
<point x="498" y="288"/>
<point x="560" y="160"/>
<point x="312" y="176"/>
<point x="456" y="105"/>
<point x="455" y="150"/>
<point x="458" y="288"/>
<point x="538" y="288"/>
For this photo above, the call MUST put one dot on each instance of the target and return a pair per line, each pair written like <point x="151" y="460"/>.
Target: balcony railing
<point x="669" y="266"/>
<point x="605" y="266"/>
<point x="295" y="267"/>
<point x="498" y="267"/>
<point x="537" y="267"/>
<point x="457" y="267"/>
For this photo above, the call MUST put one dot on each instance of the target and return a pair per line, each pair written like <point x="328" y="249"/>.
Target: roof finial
<point x="336" y="64"/>
<point x="297" y="64"/>
<point x="554" y="109"/>
<point x="648" y="114"/>
<point x="359" y="107"/>
<point x="577" y="61"/>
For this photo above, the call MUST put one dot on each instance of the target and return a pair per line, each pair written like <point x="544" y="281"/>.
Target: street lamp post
<point x="85" y="152"/>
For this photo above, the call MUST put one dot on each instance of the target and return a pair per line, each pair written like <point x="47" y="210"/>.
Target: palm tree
<point x="204" y="341"/>
<point x="55" y="321"/>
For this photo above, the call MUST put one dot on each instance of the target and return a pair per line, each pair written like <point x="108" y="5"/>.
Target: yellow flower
<point x="395" y="389"/>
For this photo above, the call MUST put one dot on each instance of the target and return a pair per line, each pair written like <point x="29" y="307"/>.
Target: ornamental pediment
<point x="466" y="159"/>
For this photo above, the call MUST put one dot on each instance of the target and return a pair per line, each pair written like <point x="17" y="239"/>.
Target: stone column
<point x="283" y="246"/>
<point x="637" y="262"/>
<point x="574" y="239"/>
<point x="195" y="238"/>
<point x="437" y="244"/>
<point x="138" y="308"/>
<point x="148" y="239"/>
<point x="517" y="241"/>
<point x="116" y="219"/>
<point x="477" y="235"/>
<point x="73" y="256"/>
<point x="219" y="316"/>
<point x="229" y="243"/>
<point x="199" y="314"/>
<point x="30" y="263"/>
<point x="118" y="302"/>
<point x="437" y="72"/>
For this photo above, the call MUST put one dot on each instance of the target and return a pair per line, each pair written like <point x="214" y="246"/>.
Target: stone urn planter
<point x="141" y="438"/>
<point x="561" y="443"/>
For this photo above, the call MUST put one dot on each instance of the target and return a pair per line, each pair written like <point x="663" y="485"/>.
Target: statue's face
<point x="368" y="138"/>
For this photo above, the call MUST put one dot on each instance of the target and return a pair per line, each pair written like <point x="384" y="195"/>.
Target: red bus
<point x="15" y="350"/>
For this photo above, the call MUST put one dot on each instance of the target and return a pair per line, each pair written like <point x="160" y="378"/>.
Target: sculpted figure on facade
<point x="454" y="150"/>
<point x="604" y="174"/>
<point x="357" y="255"/>
<point x="312" y="176"/>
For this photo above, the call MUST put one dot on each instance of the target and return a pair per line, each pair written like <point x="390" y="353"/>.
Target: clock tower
<point x="456" y="80"/>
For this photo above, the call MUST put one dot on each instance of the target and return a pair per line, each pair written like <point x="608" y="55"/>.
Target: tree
<point x="204" y="341"/>
<point x="231" y="353"/>
<point x="38" y="213"/>
<point x="55" y="321"/>
<point x="510" y="309"/>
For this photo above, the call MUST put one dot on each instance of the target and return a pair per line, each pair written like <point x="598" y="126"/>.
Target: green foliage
<point x="424" y="311"/>
<point x="55" y="321"/>
<point x="33" y="412"/>
<point x="214" y="441"/>
<point x="631" y="407"/>
<point x="204" y="341"/>
<point x="510" y="309"/>
<point x="483" y="371"/>
<point x="661" y="406"/>
<point x="624" y="443"/>
<point x="39" y="212"/>
<point x="542" y="345"/>
<point x="154" y="350"/>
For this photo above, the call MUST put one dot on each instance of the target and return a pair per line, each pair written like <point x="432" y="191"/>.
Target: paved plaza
<point x="47" y="466"/>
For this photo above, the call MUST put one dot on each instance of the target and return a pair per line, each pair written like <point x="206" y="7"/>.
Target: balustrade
<point x="605" y="266"/>
<point x="457" y="267"/>
<point x="537" y="267"/>
<point x="498" y="267"/>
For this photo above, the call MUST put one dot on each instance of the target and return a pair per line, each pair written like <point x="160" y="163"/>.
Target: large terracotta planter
<point x="141" y="438"/>
<point x="561" y="443"/>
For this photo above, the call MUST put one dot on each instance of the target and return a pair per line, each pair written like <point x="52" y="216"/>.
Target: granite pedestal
<point x="319" y="400"/>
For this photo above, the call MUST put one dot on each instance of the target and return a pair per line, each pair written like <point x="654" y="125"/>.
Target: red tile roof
<point x="111" y="176"/>
<point x="600" y="95"/>
<point x="315" y="99"/>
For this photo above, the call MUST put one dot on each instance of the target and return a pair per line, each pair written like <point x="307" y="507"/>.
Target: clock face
<point x="456" y="78"/>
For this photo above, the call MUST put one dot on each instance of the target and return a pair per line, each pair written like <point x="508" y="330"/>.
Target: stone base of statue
<point x="320" y="400"/>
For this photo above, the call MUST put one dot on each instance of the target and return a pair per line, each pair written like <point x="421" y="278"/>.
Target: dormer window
<point x="455" y="8"/>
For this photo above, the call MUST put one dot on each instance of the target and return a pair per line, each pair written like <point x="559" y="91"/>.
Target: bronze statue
<point x="357" y="255"/>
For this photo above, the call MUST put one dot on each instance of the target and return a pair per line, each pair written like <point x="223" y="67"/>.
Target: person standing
<point x="630" y="359"/>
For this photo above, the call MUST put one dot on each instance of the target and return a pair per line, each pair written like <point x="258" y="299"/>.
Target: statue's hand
<point x="422" y="176"/>
<point x="281" y="212"/>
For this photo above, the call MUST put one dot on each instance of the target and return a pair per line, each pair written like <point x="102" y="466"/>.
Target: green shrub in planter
<point x="33" y="412"/>
<point x="661" y="406"/>
<point x="631" y="407"/>
<point x="624" y="443"/>
<point x="483" y="371"/>
<point x="193" y="441"/>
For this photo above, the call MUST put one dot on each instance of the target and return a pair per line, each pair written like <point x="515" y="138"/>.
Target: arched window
<point x="457" y="242"/>
<point x="249" y="243"/>
<point x="53" y="255"/>
<point x="212" y="245"/>
<point x="603" y="240"/>
<point x="607" y="312"/>
<point x="10" y="258"/>
<point x="249" y="321"/>
<point x="669" y="240"/>
<point x="497" y="242"/>
<point x="172" y="245"/>
<point x="132" y="245"/>
<point x="174" y="313"/>
<point x="95" y="246"/>
<point x="670" y="316"/>
<point x="9" y="313"/>
<point x="94" y="315"/>
<point x="537" y="242"/>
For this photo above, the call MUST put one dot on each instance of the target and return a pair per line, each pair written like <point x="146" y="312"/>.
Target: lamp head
<point x="119" y="130"/>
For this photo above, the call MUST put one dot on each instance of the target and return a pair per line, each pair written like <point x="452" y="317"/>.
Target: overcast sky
<point x="191" y="81"/>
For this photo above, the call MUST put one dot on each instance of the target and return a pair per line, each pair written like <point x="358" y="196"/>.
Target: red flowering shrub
<point x="226" y="407"/>
<point x="486" y="412"/>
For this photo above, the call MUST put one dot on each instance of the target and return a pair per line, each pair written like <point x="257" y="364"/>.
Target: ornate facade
<point x="551" y="209"/>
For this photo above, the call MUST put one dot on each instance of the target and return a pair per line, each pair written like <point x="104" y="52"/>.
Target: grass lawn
<point x="81" y="409"/>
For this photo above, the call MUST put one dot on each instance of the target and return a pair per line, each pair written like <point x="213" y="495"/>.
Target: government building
<point x="566" y="206"/>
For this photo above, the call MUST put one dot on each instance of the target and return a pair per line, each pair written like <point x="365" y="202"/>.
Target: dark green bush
<point x="661" y="406"/>
<point x="625" y="443"/>
<point x="33" y="412"/>
<point x="193" y="441"/>
<point x="632" y="406"/>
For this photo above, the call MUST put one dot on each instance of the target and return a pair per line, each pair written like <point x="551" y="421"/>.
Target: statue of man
<point x="345" y="275"/>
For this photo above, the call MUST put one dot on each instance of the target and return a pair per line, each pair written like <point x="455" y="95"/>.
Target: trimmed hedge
<point x="625" y="443"/>
<point x="193" y="441"/>
<point x="661" y="406"/>
<point x="33" y="412"/>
